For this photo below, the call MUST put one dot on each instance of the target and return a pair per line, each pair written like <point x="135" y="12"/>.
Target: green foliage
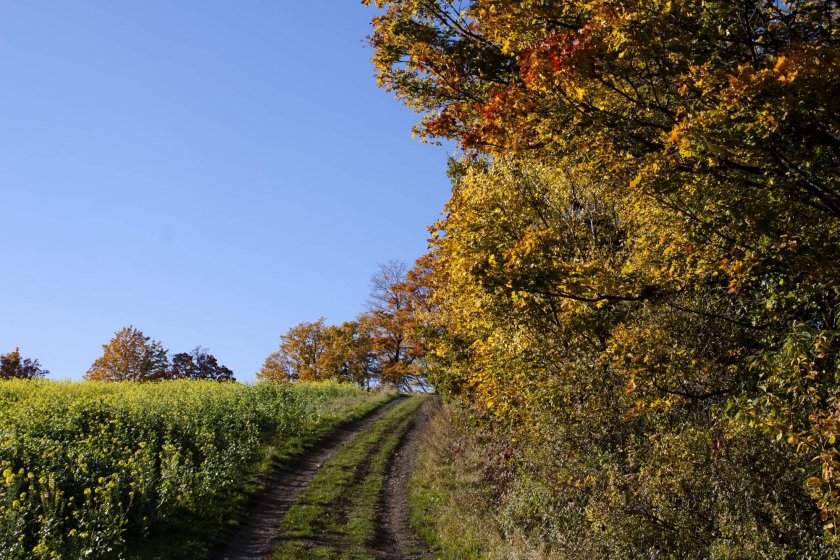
<point x="478" y="494"/>
<point x="451" y="505"/>
<point x="115" y="470"/>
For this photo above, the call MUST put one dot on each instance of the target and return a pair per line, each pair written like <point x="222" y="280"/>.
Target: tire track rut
<point x="258" y="535"/>
<point x="399" y="541"/>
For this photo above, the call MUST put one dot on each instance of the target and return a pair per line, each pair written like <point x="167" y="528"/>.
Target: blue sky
<point x="210" y="172"/>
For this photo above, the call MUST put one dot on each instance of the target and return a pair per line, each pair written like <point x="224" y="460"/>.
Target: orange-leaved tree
<point x="300" y="355"/>
<point x="130" y="356"/>
<point x="395" y="326"/>
<point x="349" y="354"/>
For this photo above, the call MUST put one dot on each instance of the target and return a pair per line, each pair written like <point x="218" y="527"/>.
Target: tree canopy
<point x="130" y="356"/>
<point x="14" y="366"/>
<point x="395" y="324"/>
<point x="199" y="364"/>
<point x="300" y="356"/>
<point x="636" y="274"/>
<point x="133" y="356"/>
<point x="349" y="354"/>
<point x="385" y="344"/>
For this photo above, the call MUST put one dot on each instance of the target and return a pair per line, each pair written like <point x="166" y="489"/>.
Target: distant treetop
<point x="199" y="364"/>
<point x="130" y="356"/>
<point x="12" y="366"/>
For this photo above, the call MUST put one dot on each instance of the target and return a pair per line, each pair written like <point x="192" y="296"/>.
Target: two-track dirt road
<point x="259" y="534"/>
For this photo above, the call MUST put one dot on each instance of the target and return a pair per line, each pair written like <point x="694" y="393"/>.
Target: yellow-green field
<point x="110" y="470"/>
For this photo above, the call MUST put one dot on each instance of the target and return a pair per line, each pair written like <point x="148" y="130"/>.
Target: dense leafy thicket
<point x="636" y="281"/>
<point x="104" y="470"/>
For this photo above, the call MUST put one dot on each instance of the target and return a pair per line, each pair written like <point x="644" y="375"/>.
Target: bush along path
<point x="354" y="507"/>
<point x="258" y="536"/>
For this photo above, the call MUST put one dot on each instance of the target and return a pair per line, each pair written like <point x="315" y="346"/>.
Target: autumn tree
<point x="386" y="343"/>
<point x="637" y="271"/>
<point x="130" y="356"/>
<point x="349" y="353"/>
<point x="300" y="356"/>
<point x="13" y="366"/>
<point x="199" y="364"/>
<point x="275" y="369"/>
<point x="395" y="330"/>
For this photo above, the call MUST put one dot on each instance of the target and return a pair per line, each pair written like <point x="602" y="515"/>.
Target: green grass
<point x="283" y="450"/>
<point x="335" y="518"/>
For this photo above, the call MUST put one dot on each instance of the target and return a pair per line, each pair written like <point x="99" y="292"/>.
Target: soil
<point x="258" y="536"/>
<point x="399" y="541"/>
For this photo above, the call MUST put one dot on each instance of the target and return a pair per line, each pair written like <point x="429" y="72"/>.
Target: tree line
<point x="385" y="344"/>
<point x="15" y="366"/>
<point x="636" y="282"/>
<point x="130" y="356"/>
<point x="133" y="356"/>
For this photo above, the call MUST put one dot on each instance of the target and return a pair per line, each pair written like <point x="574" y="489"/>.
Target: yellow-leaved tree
<point x="636" y="279"/>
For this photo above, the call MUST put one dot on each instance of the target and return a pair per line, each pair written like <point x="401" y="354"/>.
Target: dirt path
<point x="257" y="537"/>
<point x="399" y="541"/>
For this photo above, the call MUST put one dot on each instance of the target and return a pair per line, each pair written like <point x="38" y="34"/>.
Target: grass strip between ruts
<point x="283" y="451"/>
<point x="335" y="518"/>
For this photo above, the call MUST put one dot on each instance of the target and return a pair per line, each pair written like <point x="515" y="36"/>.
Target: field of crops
<point x="120" y="470"/>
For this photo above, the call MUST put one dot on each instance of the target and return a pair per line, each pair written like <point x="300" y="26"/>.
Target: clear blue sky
<point x="210" y="172"/>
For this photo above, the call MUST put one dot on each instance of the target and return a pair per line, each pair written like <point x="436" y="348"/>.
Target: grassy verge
<point x="448" y="503"/>
<point x="335" y="518"/>
<point x="283" y="450"/>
